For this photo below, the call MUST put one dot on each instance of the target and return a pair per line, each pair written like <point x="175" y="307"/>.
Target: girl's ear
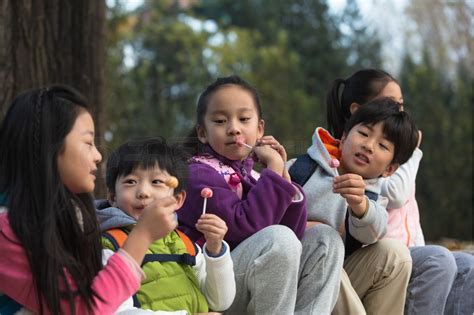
<point x="112" y="200"/>
<point x="261" y="128"/>
<point x="201" y="134"/>
<point x="390" y="169"/>
<point x="354" y="106"/>
<point x="180" y="197"/>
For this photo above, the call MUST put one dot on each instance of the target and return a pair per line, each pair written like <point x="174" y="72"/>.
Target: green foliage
<point x="291" y="51"/>
<point x="442" y="108"/>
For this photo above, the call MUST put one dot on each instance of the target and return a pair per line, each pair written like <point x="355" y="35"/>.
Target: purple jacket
<point x="265" y="202"/>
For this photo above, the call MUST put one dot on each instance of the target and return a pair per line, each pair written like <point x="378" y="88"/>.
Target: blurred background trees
<point x="162" y="53"/>
<point x="54" y="41"/>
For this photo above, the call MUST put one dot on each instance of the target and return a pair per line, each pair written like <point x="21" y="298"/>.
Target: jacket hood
<point x="323" y="149"/>
<point x="111" y="217"/>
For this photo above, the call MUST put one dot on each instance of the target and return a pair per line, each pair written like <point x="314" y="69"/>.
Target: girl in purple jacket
<point x="265" y="213"/>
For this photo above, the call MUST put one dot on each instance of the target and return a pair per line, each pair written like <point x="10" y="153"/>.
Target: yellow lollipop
<point x="172" y="182"/>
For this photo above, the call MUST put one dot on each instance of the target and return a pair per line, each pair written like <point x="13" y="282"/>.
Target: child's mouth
<point x="362" y="157"/>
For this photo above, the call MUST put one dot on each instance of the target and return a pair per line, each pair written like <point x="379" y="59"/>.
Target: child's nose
<point x="97" y="156"/>
<point x="233" y="128"/>
<point x="143" y="193"/>
<point x="369" y="145"/>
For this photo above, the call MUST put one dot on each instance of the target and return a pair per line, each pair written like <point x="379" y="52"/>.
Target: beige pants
<point x="375" y="280"/>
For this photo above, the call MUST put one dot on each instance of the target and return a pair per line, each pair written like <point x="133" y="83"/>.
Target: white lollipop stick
<point x="206" y="192"/>
<point x="241" y="142"/>
<point x="204" y="205"/>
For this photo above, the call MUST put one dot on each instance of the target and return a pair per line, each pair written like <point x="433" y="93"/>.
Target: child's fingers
<point x="348" y="180"/>
<point x="211" y="232"/>
<point x="349" y="190"/>
<point x="267" y="140"/>
<point x="281" y="150"/>
<point x="212" y="220"/>
<point x="211" y="226"/>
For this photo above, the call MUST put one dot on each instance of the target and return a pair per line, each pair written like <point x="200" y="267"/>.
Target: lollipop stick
<point x="204" y="206"/>
<point x="247" y="145"/>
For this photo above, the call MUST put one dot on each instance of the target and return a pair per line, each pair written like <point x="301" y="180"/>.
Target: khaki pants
<point x="375" y="280"/>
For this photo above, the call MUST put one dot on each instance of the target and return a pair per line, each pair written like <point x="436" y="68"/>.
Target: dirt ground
<point x="454" y="244"/>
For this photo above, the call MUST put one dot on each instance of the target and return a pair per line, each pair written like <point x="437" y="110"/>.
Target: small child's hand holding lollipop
<point x="213" y="227"/>
<point x="214" y="230"/>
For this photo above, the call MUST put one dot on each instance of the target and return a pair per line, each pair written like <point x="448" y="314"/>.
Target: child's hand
<point x="156" y="221"/>
<point x="352" y="188"/>
<point x="159" y="218"/>
<point x="214" y="229"/>
<point x="270" y="158"/>
<point x="271" y="141"/>
<point x="274" y="144"/>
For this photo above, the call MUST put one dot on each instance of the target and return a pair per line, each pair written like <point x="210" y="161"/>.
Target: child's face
<point x="365" y="151"/>
<point x="135" y="191"/>
<point x="231" y="114"/>
<point x="77" y="161"/>
<point x="392" y="90"/>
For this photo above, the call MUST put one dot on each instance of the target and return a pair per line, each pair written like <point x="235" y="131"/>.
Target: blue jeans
<point x="441" y="282"/>
<point x="461" y="297"/>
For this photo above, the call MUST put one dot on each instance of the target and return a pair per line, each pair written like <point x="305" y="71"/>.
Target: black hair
<point x="399" y="128"/>
<point x="42" y="212"/>
<point x="192" y="144"/>
<point x="361" y="87"/>
<point x="147" y="154"/>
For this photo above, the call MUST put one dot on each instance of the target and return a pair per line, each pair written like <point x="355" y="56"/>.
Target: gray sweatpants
<point x="277" y="274"/>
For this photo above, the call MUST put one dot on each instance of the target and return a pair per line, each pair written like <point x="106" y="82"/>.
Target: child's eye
<point x="245" y="119"/>
<point x="383" y="146"/>
<point x="219" y="121"/>
<point x="363" y="133"/>
<point x="157" y="181"/>
<point x="129" y="181"/>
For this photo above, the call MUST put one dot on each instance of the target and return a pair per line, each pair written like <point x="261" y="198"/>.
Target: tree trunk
<point x="54" y="41"/>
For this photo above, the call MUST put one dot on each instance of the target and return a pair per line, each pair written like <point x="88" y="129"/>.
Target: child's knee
<point x="281" y="240"/>
<point x="435" y="258"/>
<point x="325" y="235"/>
<point x="394" y="251"/>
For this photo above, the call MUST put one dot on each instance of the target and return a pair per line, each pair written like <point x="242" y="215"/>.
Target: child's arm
<point x="368" y="219"/>
<point x="127" y="308"/>
<point x="399" y="187"/>
<point x="114" y="284"/>
<point x="268" y="201"/>
<point x="215" y="272"/>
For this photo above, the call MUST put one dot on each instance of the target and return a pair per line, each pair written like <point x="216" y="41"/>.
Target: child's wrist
<point x="361" y="210"/>
<point x="216" y="253"/>
<point x="214" y="248"/>
<point x="137" y="243"/>
<point x="276" y="167"/>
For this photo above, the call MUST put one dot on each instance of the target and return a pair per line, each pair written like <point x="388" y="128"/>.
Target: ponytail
<point x="335" y="116"/>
